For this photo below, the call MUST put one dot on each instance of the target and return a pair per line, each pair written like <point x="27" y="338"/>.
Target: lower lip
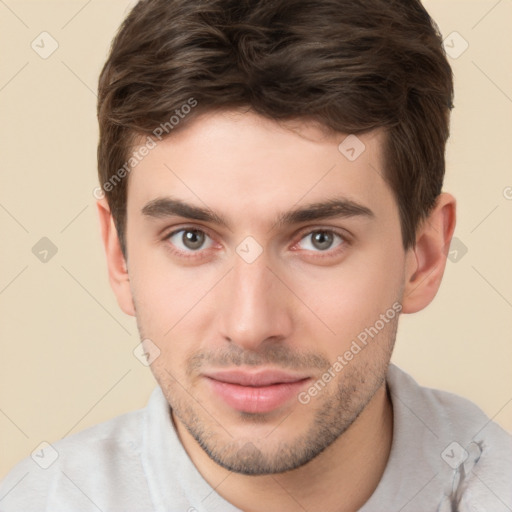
<point x="256" y="399"/>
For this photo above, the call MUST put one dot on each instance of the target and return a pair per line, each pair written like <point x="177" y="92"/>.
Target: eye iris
<point x="193" y="239"/>
<point x="322" y="239"/>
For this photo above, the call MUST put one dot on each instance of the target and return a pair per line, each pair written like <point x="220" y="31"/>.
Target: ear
<point x="116" y="263"/>
<point x="426" y="261"/>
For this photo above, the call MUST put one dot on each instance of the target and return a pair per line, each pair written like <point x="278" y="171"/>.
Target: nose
<point x="256" y="305"/>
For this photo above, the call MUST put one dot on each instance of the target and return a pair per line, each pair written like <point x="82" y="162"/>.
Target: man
<point x="272" y="174"/>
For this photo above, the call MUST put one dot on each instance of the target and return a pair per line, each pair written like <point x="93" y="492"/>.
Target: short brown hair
<point x="352" y="66"/>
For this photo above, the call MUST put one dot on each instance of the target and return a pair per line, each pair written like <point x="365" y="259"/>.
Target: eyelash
<point x="329" y="253"/>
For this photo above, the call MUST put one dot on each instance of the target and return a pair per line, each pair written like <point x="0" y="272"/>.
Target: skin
<point x="298" y="306"/>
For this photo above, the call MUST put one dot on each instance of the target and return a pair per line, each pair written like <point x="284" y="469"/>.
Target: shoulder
<point x="444" y="412"/>
<point x="105" y="452"/>
<point x="475" y="449"/>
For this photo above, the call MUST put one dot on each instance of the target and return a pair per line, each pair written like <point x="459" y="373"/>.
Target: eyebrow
<point x="163" y="207"/>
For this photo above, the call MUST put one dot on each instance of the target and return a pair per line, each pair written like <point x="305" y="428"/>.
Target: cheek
<point x="164" y="304"/>
<point x="157" y="281"/>
<point x="173" y="303"/>
<point x="351" y="296"/>
<point x="159" y="293"/>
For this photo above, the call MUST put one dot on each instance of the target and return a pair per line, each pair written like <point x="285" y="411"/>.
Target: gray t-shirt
<point x="446" y="456"/>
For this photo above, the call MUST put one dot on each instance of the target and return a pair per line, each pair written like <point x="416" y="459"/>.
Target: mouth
<point x="262" y="391"/>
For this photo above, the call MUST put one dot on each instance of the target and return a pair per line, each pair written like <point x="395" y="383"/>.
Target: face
<point x="267" y="269"/>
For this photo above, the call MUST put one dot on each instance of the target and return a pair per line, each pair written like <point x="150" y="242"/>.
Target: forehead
<point x="240" y="163"/>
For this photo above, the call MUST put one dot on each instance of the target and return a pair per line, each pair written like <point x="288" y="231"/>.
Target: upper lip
<point x="254" y="378"/>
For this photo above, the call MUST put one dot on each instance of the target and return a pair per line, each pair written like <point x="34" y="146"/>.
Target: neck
<point x="341" y="479"/>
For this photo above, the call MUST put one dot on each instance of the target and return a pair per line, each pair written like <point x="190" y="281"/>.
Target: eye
<point x="189" y="239"/>
<point x="321" y="240"/>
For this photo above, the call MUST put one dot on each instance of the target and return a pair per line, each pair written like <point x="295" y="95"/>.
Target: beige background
<point x="67" y="350"/>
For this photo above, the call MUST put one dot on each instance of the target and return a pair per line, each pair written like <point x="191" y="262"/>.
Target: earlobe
<point x="117" y="268"/>
<point x="426" y="261"/>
